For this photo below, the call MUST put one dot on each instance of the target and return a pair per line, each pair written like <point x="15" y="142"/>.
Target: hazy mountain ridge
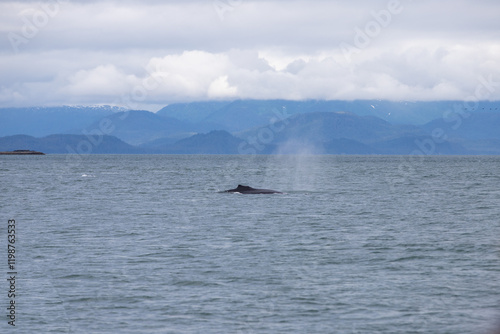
<point x="137" y="127"/>
<point x="262" y="127"/>
<point x="43" y="121"/>
<point x="70" y="144"/>
<point x="347" y="133"/>
<point x="397" y="112"/>
<point x="478" y="125"/>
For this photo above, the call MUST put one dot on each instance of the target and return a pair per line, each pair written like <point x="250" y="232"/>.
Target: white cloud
<point x="105" y="80"/>
<point x="158" y="52"/>
<point x="220" y="88"/>
<point x="190" y="74"/>
<point x="10" y="96"/>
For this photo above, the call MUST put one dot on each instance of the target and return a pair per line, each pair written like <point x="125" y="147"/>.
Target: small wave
<point x="88" y="175"/>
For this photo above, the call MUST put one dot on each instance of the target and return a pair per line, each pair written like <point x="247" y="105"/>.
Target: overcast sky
<point x="149" y="53"/>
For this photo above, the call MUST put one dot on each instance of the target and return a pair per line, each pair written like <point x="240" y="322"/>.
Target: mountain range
<point x="259" y="127"/>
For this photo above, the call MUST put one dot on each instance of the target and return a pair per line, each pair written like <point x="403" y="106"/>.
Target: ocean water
<point x="147" y="244"/>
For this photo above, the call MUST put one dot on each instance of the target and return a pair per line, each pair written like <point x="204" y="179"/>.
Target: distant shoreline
<point x="22" y="152"/>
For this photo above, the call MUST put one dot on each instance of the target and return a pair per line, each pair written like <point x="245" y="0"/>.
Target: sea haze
<point x="147" y="244"/>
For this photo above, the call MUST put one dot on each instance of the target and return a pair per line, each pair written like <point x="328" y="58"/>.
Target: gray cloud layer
<point x="150" y="53"/>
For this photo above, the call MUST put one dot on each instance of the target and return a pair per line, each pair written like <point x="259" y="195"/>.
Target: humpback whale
<point x="249" y="190"/>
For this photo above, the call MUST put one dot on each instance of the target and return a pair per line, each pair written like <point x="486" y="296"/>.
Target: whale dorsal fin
<point x="240" y="187"/>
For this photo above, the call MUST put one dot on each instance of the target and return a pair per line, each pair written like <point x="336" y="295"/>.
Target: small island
<point x="22" y="152"/>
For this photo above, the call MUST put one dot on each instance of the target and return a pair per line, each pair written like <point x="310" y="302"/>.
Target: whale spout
<point x="249" y="190"/>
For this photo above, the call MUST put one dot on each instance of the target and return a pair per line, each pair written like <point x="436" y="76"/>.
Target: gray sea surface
<point x="148" y="244"/>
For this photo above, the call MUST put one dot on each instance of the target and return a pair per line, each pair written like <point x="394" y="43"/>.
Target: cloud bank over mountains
<point x="145" y="54"/>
